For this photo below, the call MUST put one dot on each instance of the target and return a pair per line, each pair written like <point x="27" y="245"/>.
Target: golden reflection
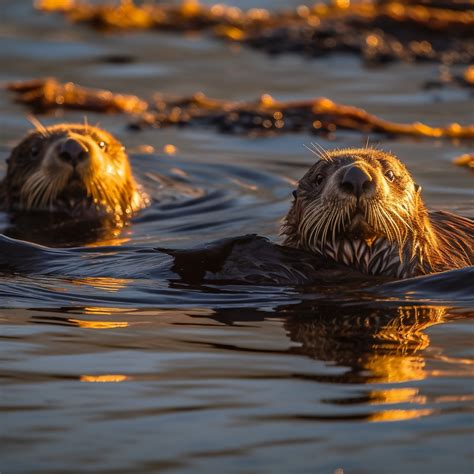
<point x="112" y="378"/>
<point x="396" y="368"/>
<point x="397" y="395"/>
<point x="110" y="241"/>
<point x="376" y="346"/>
<point x="398" y="415"/>
<point x="403" y="360"/>
<point x="105" y="310"/>
<point x="102" y="283"/>
<point x="82" y="323"/>
<point x="380" y="346"/>
<point x="454" y="398"/>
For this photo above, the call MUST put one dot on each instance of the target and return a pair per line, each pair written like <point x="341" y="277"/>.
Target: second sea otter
<point x="71" y="168"/>
<point x="65" y="173"/>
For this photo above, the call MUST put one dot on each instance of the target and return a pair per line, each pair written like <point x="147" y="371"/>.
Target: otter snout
<point x="72" y="151"/>
<point x="357" y="181"/>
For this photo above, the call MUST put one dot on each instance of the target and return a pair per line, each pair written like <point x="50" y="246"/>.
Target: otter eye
<point x="318" y="179"/>
<point x="390" y="175"/>
<point x="35" y="151"/>
<point x="102" y="145"/>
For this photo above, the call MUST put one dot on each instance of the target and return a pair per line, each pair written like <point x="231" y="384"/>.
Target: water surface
<point x="109" y="364"/>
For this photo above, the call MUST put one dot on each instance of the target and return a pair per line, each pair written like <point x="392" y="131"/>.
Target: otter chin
<point x="361" y="208"/>
<point x="74" y="169"/>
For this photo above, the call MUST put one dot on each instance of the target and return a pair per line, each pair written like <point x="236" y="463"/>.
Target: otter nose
<point x="72" y="151"/>
<point x="357" y="181"/>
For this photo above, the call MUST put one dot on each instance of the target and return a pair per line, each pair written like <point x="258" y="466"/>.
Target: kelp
<point x="45" y="94"/>
<point x="378" y="31"/>
<point x="263" y="116"/>
<point x="466" y="160"/>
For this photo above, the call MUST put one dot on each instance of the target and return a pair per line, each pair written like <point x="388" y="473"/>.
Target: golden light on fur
<point x="73" y="168"/>
<point x="361" y="207"/>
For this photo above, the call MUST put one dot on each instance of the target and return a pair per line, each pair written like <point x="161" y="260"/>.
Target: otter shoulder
<point x="252" y="259"/>
<point x="455" y="235"/>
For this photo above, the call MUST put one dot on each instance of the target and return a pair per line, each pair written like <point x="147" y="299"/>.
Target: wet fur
<point x="397" y="237"/>
<point x="34" y="182"/>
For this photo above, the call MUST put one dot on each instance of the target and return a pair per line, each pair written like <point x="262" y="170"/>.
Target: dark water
<point x="111" y="364"/>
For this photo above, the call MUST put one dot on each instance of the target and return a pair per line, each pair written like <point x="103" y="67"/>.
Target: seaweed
<point x="263" y="116"/>
<point x="466" y="160"/>
<point x="378" y="32"/>
<point x="46" y="94"/>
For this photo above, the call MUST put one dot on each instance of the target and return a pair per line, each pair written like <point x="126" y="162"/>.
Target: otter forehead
<point x="57" y="131"/>
<point x="343" y="157"/>
<point x="31" y="151"/>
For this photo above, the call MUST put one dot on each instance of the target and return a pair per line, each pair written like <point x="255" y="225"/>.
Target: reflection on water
<point x="99" y="324"/>
<point x="379" y="346"/>
<point x="111" y="363"/>
<point x="63" y="231"/>
<point x="102" y="283"/>
<point x="387" y="342"/>
<point x="104" y="378"/>
<point x="305" y="377"/>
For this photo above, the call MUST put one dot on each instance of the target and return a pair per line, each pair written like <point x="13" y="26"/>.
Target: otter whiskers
<point x="324" y="220"/>
<point x="318" y="150"/>
<point x="38" y="125"/>
<point x="41" y="189"/>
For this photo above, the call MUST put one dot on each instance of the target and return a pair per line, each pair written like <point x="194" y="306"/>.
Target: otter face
<point x="359" y="207"/>
<point x="71" y="168"/>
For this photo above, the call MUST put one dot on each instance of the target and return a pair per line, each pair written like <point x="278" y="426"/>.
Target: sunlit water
<point x="111" y="364"/>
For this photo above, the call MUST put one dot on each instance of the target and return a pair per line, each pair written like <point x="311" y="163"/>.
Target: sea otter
<point x="357" y="219"/>
<point x="69" y="173"/>
<point x="361" y="208"/>
<point x="73" y="168"/>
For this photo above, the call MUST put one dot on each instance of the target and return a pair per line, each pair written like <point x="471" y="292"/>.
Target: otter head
<point x="361" y="207"/>
<point x="73" y="168"/>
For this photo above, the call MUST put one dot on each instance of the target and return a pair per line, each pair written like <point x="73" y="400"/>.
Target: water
<point x="111" y="364"/>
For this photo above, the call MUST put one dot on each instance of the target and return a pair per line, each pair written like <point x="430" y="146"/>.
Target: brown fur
<point x="322" y="218"/>
<point x="36" y="180"/>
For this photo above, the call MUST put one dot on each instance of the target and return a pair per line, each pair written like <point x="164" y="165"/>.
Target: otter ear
<point x="295" y="193"/>
<point x="417" y="188"/>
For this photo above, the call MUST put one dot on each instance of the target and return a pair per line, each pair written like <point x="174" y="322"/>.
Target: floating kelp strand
<point x="265" y="115"/>
<point x="46" y="94"/>
<point x="466" y="160"/>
